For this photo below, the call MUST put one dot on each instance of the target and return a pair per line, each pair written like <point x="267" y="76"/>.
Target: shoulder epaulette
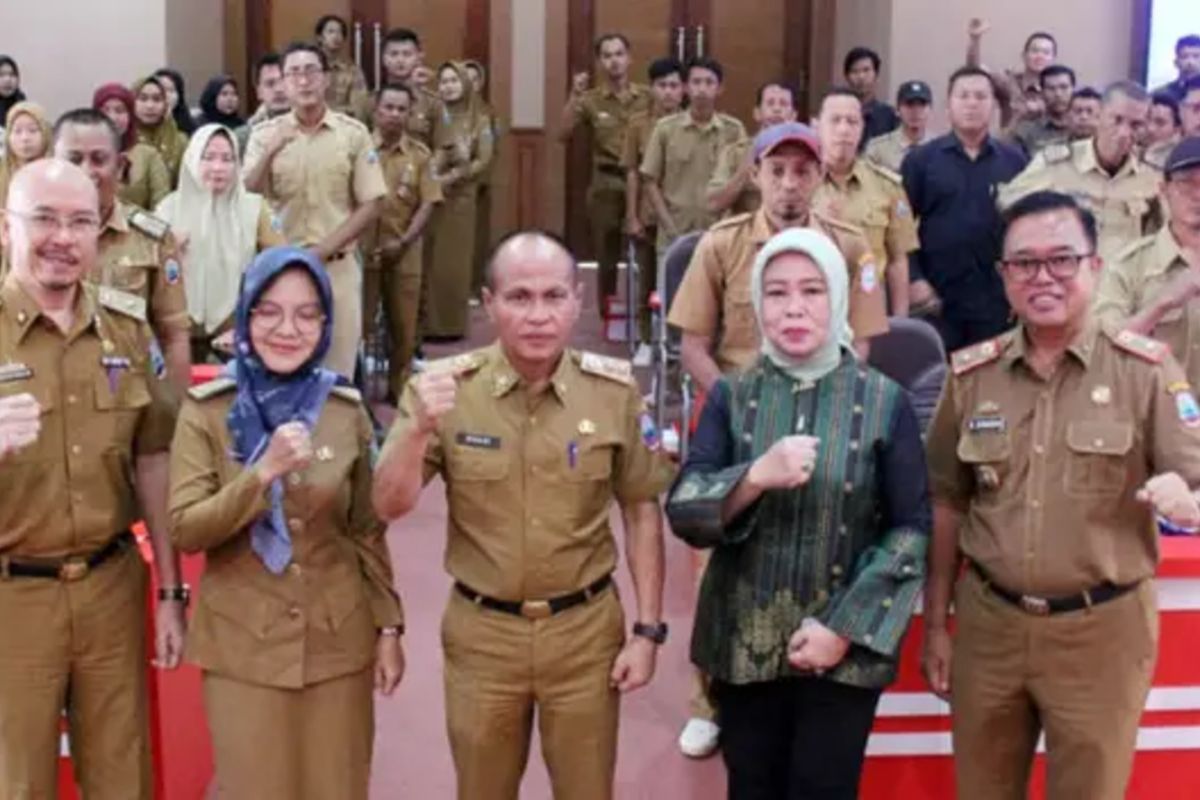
<point x="347" y="393"/>
<point x="1056" y="153"/>
<point x="834" y="222"/>
<point x="883" y="172"/>
<point x="975" y="356"/>
<point x="1134" y="247"/>
<point x="1143" y="347"/>
<point x="737" y="220"/>
<point x="123" y="303"/>
<point x="420" y="146"/>
<point x="615" y="369"/>
<point x="149" y="224"/>
<point x="460" y="364"/>
<point x="211" y="388"/>
<point x="348" y="120"/>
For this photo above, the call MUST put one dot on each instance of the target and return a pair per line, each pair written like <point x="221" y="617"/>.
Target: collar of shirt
<point x="761" y="229"/>
<point x="324" y="122"/>
<point x="622" y="96"/>
<point x="504" y="378"/>
<point x="23" y="311"/>
<point x="1087" y="160"/>
<point x="1165" y="254"/>
<point x="855" y="178"/>
<point x="399" y="146"/>
<point x="952" y="142"/>
<point x="118" y="220"/>
<point x="1081" y="347"/>
<point x="691" y="122"/>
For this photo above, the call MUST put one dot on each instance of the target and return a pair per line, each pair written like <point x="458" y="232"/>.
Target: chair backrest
<point x="909" y="349"/>
<point x="677" y="258"/>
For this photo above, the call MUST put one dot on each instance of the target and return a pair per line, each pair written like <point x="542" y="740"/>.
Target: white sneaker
<point x="643" y="356"/>
<point x="700" y="738"/>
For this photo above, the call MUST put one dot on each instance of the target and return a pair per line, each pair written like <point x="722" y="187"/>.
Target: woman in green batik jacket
<point x="807" y="477"/>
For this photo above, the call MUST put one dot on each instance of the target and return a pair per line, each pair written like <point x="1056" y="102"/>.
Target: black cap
<point x="1185" y="154"/>
<point x="914" y="91"/>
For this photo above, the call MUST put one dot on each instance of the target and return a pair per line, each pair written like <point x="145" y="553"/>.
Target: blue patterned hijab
<point x="265" y="400"/>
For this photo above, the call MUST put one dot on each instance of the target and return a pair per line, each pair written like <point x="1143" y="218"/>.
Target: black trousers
<point x="794" y="738"/>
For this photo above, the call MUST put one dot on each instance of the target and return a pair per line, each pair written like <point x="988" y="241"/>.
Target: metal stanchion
<point x="358" y="44"/>
<point x="632" y="298"/>
<point x="378" y="55"/>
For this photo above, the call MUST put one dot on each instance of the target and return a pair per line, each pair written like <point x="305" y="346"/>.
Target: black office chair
<point x="911" y="353"/>
<point x="666" y="345"/>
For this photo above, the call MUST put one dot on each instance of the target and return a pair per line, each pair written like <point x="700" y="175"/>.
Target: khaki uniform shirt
<point x="318" y="619"/>
<point x="139" y="256"/>
<point x="637" y="138"/>
<point x="890" y="149"/>
<point x="408" y="173"/>
<point x="1046" y="472"/>
<point x="874" y="201"/>
<point x="72" y="490"/>
<point x="1135" y="279"/>
<point x="607" y="114"/>
<point x="530" y="480"/>
<point x="148" y="180"/>
<point x="321" y="177"/>
<point x="729" y="162"/>
<point x="426" y="111"/>
<point x="714" y="296"/>
<point x="1033" y="135"/>
<point x="681" y="158"/>
<point x="348" y="92"/>
<point x="1126" y="205"/>
<point x="1156" y="154"/>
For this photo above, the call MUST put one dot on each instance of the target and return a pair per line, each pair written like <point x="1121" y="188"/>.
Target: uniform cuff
<point x="695" y="505"/>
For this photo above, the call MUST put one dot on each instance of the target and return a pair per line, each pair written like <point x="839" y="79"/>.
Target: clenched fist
<point x="788" y="464"/>
<point x="579" y="82"/>
<point x="20" y="423"/>
<point x="436" y="392"/>
<point x="289" y="450"/>
<point x="1171" y="499"/>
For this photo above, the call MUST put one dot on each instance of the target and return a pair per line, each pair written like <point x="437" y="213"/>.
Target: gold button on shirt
<point x="530" y="480"/>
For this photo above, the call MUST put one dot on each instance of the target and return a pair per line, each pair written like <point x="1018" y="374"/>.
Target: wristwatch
<point x="655" y="632"/>
<point x="392" y="630"/>
<point x="175" y="594"/>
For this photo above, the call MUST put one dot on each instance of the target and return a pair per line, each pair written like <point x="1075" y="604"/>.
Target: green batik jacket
<point x="847" y="548"/>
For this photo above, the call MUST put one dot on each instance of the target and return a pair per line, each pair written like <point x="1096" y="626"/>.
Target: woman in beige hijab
<point x="221" y="227"/>
<point x="463" y="148"/>
<point x="27" y="139"/>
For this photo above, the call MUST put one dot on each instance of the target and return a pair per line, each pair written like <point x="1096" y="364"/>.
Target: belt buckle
<point x="1038" y="606"/>
<point x="73" y="570"/>
<point x="536" y="609"/>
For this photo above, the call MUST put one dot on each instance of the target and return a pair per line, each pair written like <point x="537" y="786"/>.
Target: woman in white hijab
<point x="220" y="227"/>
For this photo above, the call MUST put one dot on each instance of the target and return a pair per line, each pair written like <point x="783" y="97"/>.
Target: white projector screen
<point x="1169" y="19"/>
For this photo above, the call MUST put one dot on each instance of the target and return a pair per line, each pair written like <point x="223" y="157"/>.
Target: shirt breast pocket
<point x="738" y="323"/>
<point x="1096" y="463"/>
<point x="134" y="277"/>
<point x="119" y="403"/>
<point x="476" y="475"/>
<point x="988" y="454"/>
<point x="337" y="177"/>
<point x="679" y="152"/>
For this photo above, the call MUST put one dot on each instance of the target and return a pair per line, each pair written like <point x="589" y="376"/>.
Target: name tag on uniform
<point x="14" y="372"/>
<point x="987" y="425"/>
<point x="478" y="440"/>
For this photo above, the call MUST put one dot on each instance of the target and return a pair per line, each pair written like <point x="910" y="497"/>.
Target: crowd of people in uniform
<point x="1056" y="255"/>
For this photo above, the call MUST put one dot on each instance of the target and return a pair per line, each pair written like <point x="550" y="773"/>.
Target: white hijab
<point x="222" y="233"/>
<point x="825" y="254"/>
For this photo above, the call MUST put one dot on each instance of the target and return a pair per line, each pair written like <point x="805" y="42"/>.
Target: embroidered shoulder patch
<point x="969" y="358"/>
<point x="615" y="369"/>
<point x="1143" y="347"/>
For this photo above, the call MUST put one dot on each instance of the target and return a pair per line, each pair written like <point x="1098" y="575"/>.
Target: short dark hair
<point x="1191" y="40"/>
<point x="608" y="37"/>
<point x="1192" y="84"/>
<point x="857" y="54"/>
<point x="400" y="36"/>
<point x="1033" y="37"/>
<point x="968" y="71"/>
<point x="269" y="60"/>
<point x="704" y="62"/>
<point x="328" y="18"/>
<point x="1134" y="91"/>
<point x="489" y="276"/>
<point x="1044" y="201"/>
<point x="1086" y="93"/>
<point x="836" y="91"/>
<point x="88" y="118"/>
<point x="1167" y="100"/>
<point x="1055" y="69"/>
<point x="394" y="87"/>
<point x="305" y="47"/>
<point x="662" y="67"/>
<point x="762" y="90"/>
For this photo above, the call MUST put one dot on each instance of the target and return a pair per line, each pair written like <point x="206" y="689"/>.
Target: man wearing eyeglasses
<point x="319" y="170"/>
<point x="77" y="422"/>
<point x="1053" y="450"/>
<point x="1152" y="285"/>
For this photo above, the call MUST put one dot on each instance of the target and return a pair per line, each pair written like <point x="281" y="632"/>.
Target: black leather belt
<point x="611" y="169"/>
<point x="68" y="570"/>
<point x="535" y="609"/>
<point x="1045" y="606"/>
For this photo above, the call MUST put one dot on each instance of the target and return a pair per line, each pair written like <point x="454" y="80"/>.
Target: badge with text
<point x="1101" y="395"/>
<point x="987" y="425"/>
<point x="113" y="367"/>
<point x="478" y="440"/>
<point x="14" y="371"/>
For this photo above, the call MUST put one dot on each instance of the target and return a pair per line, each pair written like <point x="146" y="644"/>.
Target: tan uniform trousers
<point x="1083" y="677"/>
<point x="345" y="277"/>
<point x="451" y="265"/>
<point x="397" y="284"/>
<point x="500" y="667"/>
<point x="300" y="744"/>
<point x="79" y="646"/>
<point x="606" y="215"/>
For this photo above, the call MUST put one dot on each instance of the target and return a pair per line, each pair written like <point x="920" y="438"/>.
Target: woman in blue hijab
<point x="297" y="619"/>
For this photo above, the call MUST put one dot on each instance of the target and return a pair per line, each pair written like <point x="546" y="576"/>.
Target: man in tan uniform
<point x="1104" y="172"/>
<point x="1017" y="90"/>
<point x="394" y="245"/>
<point x="865" y="195"/>
<point x="320" y="172"/>
<point x="402" y="61"/>
<point x="76" y="411"/>
<point x="1152" y="285"/>
<point x="914" y="99"/>
<point x="1053" y="448"/>
<point x="272" y="97"/>
<point x="347" y="90"/>
<point x="534" y="442"/>
<point x="1163" y="130"/>
<point x="682" y="155"/>
<point x="606" y="111"/>
<point x="666" y="84"/>
<point x="731" y="189"/>
<point x="138" y="254"/>
<point x="1053" y="126"/>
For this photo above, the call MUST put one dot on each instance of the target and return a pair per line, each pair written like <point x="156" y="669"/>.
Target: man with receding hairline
<point x="534" y="442"/>
<point x="77" y="422"/>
